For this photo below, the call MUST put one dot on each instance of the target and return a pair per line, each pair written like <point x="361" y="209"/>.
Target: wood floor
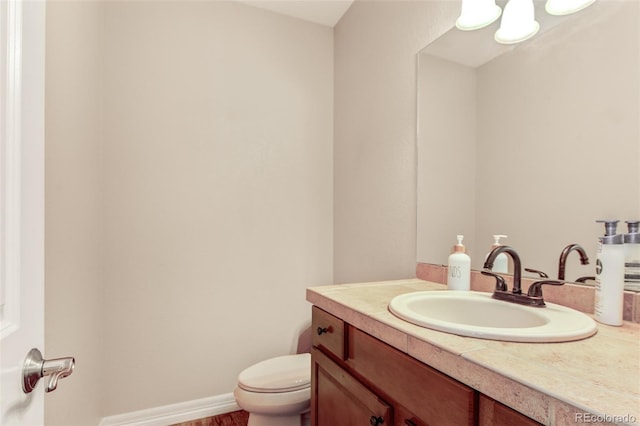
<point x="237" y="418"/>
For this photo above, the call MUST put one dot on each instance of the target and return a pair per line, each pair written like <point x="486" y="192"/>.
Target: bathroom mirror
<point x="535" y="141"/>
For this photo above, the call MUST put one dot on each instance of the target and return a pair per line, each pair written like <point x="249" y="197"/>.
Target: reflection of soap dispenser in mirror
<point x="609" y="276"/>
<point x="459" y="268"/>
<point x="501" y="264"/>
<point x="632" y="255"/>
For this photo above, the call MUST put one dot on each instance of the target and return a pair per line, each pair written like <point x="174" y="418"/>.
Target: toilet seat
<point x="273" y="403"/>
<point x="286" y="373"/>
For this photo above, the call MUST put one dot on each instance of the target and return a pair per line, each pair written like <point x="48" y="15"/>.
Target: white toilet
<point x="277" y="391"/>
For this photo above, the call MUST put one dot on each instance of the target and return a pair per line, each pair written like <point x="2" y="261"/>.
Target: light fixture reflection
<point x="566" y="7"/>
<point x="518" y="22"/>
<point x="477" y="14"/>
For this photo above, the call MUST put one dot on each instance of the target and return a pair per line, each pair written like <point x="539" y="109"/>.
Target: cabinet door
<point x="406" y="418"/>
<point x="431" y="396"/>
<point x="338" y="399"/>
<point x="493" y="413"/>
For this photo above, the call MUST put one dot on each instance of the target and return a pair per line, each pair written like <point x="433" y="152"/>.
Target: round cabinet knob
<point x="322" y="330"/>
<point x="375" y="420"/>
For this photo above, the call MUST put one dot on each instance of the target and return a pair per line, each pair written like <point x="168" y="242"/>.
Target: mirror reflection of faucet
<point x="562" y="263"/>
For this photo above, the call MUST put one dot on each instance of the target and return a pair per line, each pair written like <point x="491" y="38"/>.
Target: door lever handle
<point x="35" y="367"/>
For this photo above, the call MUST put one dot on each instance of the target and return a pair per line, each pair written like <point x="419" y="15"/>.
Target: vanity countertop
<point x="554" y="383"/>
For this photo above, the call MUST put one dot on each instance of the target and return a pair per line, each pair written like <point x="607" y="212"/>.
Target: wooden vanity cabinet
<point x="404" y="417"/>
<point x="328" y="333"/>
<point x="493" y="413"/>
<point x="431" y="396"/>
<point x="358" y="380"/>
<point x="342" y="398"/>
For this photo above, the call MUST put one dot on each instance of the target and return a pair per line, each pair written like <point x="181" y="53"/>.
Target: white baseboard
<point x="175" y="413"/>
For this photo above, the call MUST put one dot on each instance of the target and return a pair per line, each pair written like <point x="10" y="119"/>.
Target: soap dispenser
<point x="459" y="270"/>
<point x="632" y="254"/>
<point x="609" y="297"/>
<point x="501" y="264"/>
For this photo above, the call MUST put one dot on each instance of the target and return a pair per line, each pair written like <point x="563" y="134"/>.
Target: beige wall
<point x="375" y="134"/>
<point x="446" y="156"/>
<point x="74" y="304"/>
<point x="189" y="196"/>
<point x="170" y="192"/>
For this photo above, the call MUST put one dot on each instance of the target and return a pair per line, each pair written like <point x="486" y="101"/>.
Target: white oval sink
<point x="476" y="314"/>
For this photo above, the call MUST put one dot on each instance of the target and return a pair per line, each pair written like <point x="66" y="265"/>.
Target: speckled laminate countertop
<point x="593" y="381"/>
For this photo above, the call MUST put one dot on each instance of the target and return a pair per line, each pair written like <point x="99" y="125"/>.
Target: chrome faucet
<point x="501" y="292"/>
<point x="584" y="259"/>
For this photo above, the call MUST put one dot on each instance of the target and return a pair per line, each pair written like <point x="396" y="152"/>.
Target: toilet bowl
<point x="277" y="391"/>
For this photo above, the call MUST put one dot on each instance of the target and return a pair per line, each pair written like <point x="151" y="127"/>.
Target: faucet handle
<point x="535" y="290"/>
<point x="501" y="284"/>
<point x="535" y="271"/>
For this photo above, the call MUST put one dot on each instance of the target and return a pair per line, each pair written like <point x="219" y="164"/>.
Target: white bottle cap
<point x="459" y="248"/>
<point x="496" y="240"/>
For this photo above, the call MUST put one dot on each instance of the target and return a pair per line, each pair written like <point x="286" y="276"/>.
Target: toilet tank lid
<point x="280" y="374"/>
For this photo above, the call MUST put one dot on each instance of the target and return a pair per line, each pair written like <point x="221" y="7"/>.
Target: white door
<point x="22" y="31"/>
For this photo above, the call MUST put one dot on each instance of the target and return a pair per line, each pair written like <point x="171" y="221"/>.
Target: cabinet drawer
<point x="493" y="413"/>
<point x="341" y="400"/>
<point x="433" y="397"/>
<point x="403" y="417"/>
<point x="328" y="332"/>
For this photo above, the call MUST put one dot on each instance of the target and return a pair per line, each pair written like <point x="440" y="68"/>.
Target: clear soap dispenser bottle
<point x="459" y="268"/>
<point x="501" y="264"/>
<point x="609" y="276"/>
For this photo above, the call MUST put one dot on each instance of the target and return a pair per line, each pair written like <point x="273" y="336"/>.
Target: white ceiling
<point x="324" y="12"/>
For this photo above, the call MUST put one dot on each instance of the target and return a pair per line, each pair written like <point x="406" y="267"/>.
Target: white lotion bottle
<point x="609" y="297"/>
<point x="501" y="264"/>
<point x="632" y="255"/>
<point x="459" y="268"/>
